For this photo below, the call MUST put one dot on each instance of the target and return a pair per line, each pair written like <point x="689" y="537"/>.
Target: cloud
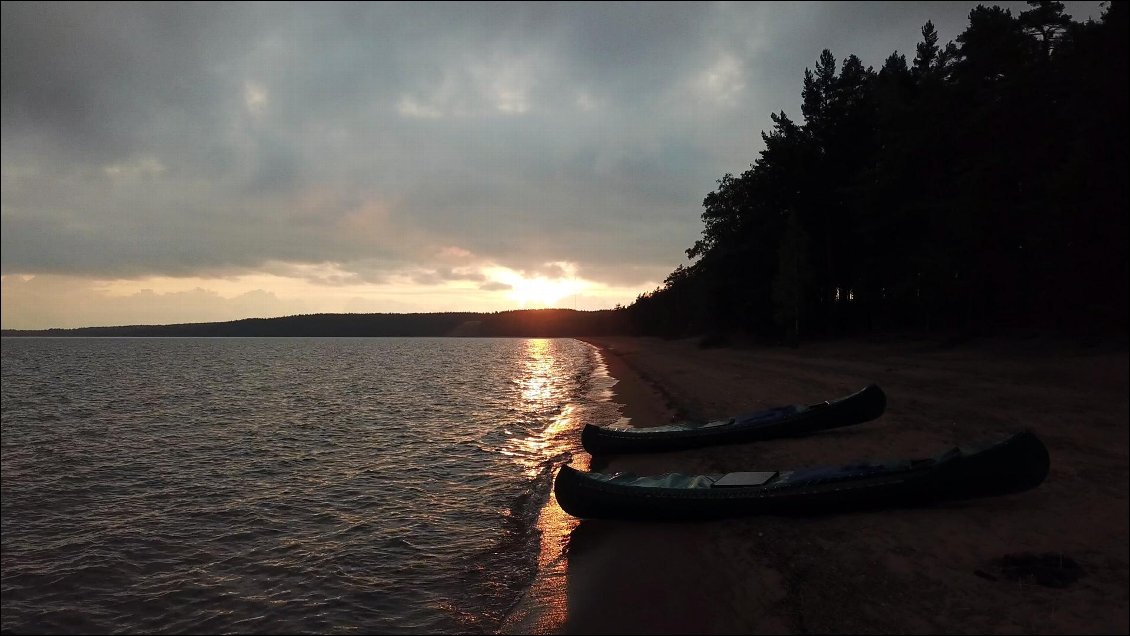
<point x="54" y="301"/>
<point x="44" y="301"/>
<point x="144" y="140"/>
<point x="141" y="168"/>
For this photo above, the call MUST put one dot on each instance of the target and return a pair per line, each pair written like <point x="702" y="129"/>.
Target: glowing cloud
<point x="540" y="290"/>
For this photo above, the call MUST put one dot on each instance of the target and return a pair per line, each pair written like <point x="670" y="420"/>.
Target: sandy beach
<point x="927" y="570"/>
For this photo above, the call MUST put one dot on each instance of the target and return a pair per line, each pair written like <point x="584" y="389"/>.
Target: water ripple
<point x="270" y="485"/>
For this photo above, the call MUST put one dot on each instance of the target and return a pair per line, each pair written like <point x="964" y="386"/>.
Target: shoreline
<point x="615" y="583"/>
<point x="890" y="571"/>
<point x="641" y="400"/>
<point x="542" y="608"/>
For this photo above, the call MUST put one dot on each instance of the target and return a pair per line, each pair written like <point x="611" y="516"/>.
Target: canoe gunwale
<point x="1015" y="464"/>
<point x="862" y="406"/>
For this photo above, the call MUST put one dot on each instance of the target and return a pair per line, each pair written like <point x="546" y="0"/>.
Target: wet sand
<point x="898" y="571"/>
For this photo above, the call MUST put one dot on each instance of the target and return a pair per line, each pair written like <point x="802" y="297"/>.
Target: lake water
<point x="282" y="485"/>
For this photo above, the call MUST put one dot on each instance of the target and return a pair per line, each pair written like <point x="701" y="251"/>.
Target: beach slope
<point x="962" y="567"/>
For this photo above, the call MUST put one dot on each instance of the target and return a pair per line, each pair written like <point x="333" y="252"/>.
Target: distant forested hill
<point x="544" y="323"/>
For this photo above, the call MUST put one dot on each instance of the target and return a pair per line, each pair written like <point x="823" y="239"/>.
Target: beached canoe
<point x="785" y="421"/>
<point x="1012" y="465"/>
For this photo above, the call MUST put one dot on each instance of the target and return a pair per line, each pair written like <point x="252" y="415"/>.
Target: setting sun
<point x="540" y="290"/>
<point x="543" y="291"/>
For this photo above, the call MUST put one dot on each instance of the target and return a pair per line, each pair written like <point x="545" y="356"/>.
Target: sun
<point x="541" y="291"/>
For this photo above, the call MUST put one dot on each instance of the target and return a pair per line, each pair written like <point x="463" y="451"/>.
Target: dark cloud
<point x="178" y="139"/>
<point x="446" y="274"/>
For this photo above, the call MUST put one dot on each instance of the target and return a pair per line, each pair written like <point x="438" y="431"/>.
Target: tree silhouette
<point x="983" y="185"/>
<point x="1047" y="20"/>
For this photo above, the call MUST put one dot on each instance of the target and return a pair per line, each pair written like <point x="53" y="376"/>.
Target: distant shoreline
<point x="524" y="323"/>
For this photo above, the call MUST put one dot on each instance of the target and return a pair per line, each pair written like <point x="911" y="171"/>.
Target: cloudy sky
<point x="193" y="162"/>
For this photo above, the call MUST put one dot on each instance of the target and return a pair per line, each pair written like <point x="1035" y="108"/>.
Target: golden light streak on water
<point x="538" y="384"/>
<point x="544" y="608"/>
<point x="540" y="387"/>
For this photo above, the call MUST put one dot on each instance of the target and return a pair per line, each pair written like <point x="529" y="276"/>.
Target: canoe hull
<point x="1017" y="464"/>
<point x="862" y="406"/>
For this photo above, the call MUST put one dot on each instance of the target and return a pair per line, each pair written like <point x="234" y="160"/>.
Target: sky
<point x="167" y="163"/>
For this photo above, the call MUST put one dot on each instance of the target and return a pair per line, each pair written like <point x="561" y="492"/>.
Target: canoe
<point x="785" y="421"/>
<point x="1015" y="464"/>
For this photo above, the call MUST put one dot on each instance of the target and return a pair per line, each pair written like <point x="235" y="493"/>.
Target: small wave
<point x="299" y="485"/>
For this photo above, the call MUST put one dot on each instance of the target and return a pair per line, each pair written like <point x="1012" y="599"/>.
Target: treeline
<point x="981" y="183"/>
<point x="533" y="323"/>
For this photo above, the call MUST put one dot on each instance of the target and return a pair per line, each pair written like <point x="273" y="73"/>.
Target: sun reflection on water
<point x="538" y="381"/>
<point x="545" y="391"/>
